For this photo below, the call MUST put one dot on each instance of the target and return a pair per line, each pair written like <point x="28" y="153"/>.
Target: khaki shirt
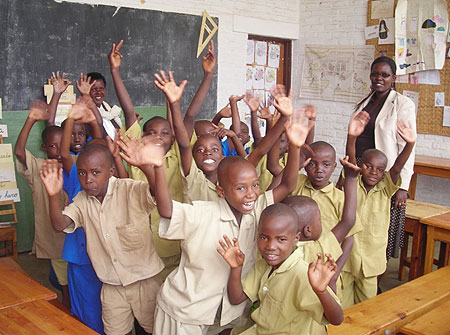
<point x="172" y="161"/>
<point x="326" y="244"/>
<point x="196" y="187"/>
<point x="329" y="199"/>
<point x="49" y="243"/>
<point x="193" y="292"/>
<point x="287" y="302"/>
<point x="373" y="212"/>
<point x="119" y="241"/>
<point x="265" y="176"/>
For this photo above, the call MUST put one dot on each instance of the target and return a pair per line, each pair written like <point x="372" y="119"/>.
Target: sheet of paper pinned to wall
<point x="12" y="194"/>
<point x="414" y="96"/>
<point x="250" y="51"/>
<point x="258" y="78"/>
<point x="3" y="130"/>
<point x="6" y="153"/>
<point x="382" y="8"/>
<point x="386" y="31"/>
<point x="431" y="77"/>
<point x="402" y="79"/>
<point x="270" y="78"/>
<point x="273" y="59"/>
<point x="439" y="99"/>
<point x="260" y="52"/>
<point x="249" y="73"/>
<point x="446" y="117"/>
<point x="371" y="32"/>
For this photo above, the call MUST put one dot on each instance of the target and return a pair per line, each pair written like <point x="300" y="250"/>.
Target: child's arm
<point x="115" y="150"/>
<point x="223" y="113"/>
<point x="346" y="246"/>
<point x="319" y="276"/>
<point x="349" y="212"/>
<point x="51" y="176"/>
<point x="169" y="117"/>
<point x="173" y="95"/>
<point x="38" y="112"/>
<point x="253" y="104"/>
<point x="208" y="65"/>
<point x="235" y="119"/>
<point x="223" y="132"/>
<point x="408" y="133"/>
<point x="58" y="88"/>
<point x="357" y="124"/>
<point x="311" y="114"/>
<point x="115" y="58"/>
<point x="233" y="255"/>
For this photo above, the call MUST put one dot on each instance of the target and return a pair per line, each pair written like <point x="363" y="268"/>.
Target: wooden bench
<point x="435" y="322"/>
<point x="393" y="309"/>
<point x="416" y="211"/>
<point x="438" y="229"/>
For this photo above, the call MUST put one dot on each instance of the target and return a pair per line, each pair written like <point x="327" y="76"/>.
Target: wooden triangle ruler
<point x="202" y="44"/>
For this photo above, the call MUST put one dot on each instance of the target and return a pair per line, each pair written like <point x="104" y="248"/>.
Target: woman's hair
<point x="381" y="59"/>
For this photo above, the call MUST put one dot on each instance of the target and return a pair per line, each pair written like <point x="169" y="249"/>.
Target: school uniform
<point x="197" y="187"/>
<point x="368" y="257"/>
<point x="120" y="246"/>
<point x="169" y="251"/>
<point x="191" y="296"/>
<point x="265" y="176"/>
<point x="48" y="242"/>
<point x="287" y="302"/>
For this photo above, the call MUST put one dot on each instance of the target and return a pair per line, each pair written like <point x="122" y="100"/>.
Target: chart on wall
<point x="336" y="73"/>
<point x="420" y="34"/>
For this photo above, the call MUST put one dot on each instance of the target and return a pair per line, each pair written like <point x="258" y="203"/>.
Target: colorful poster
<point x="273" y="59"/>
<point x="421" y="29"/>
<point x="386" y="31"/>
<point x="250" y="51"/>
<point x="258" y="78"/>
<point x="261" y="53"/>
<point x="249" y="74"/>
<point x="270" y="78"/>
<point x="382" y="8"/>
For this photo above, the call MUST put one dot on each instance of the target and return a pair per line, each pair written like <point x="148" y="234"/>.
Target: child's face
<point x="207" y="153"/>
<point x="241" y="188"/>
<point x="373" y="170"/>
<point x="284" y="144"/>
<point x="94" y="171"/>
<point x="97" y="92"/>
<point x="78" y="138"/>
<point x="203" y="127"/>
<point x="321" y="167"/>
<point x="159" y="132"/>
<point x="244" y="136"/>
<point x="52" y="145"/>
<point x="277" y="238"/>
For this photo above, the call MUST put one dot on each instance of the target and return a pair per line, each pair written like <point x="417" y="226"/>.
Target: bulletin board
<point x="429" y="117"/>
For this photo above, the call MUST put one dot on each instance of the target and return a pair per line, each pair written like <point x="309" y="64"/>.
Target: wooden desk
<point x="397" y="307"/>
<point x="430" y="166"/>
<point x="16" y="288"/>
<point x="435" y="322"/>
<point x="438" y="229"/>
<point x="39" y="317"/>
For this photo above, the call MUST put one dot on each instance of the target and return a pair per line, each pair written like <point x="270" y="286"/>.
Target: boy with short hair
<point x="291" y="295"/>
<point x="47" y="241"/>
<point x="114" y="213"/>
<point x="375" y="189"/>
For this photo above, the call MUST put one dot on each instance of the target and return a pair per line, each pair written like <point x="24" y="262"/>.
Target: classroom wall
<point x="332" y="22"/>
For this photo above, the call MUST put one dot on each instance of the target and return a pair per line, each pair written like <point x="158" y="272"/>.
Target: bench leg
<point x="429" y="254"/>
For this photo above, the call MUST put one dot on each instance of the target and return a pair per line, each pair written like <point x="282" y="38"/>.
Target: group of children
<point x="199" y="235"/>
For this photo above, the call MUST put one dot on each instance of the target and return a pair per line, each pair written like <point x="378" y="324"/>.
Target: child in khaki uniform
<point x="47" y="241"/>
<point x="291" y="295"/>
<point x="375" y="189"/>
<point x="114" y="213"/>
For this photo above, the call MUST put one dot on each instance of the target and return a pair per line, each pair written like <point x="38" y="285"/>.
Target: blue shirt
<point x="227" y="152"/>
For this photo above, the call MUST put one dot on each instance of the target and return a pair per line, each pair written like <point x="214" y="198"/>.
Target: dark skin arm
<point x="253" y="104"/>
<point x="347" y="246"/>
<point x="223" y="113"/>
<point x="60" y="84"/>
<point x="356" y="127"/>
<point x="121" y="171"/>
<point x="223" y="132"/>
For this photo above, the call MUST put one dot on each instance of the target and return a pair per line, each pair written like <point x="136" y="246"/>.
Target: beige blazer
<point x="396" y="106"/>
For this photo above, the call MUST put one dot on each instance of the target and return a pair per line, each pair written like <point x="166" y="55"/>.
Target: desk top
<point x="394" y="308"/>
<point x="434" y="162"/>
<point x="39" y="317"/>
<point x="438" y="221"/>
<point x="419" y="210"/>
<point x="16" y="288"/>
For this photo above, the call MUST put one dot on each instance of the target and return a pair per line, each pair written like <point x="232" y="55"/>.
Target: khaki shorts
<point x="60" y="268"/>
<point x="356" y="290"/>
<point x="121" y="304"/>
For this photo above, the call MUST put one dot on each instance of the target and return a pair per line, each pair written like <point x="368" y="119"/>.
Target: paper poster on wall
<point x="273" y="59"/>
<point x="261" y="53"/>
<point x="382" y="8"/>
<point x="259" y="94"/>
<point x="413" y="79"/>
<point x="371" y="32"/>
<point x="258" y="78"/>
<point x="431" y="77"/>
<point x="402" y="79"/>
<point x="250" y="51"/>
<point x="386" y="31"/>
<point x="270" y="78"/>
<point x="421" y="29"/>
<point x="269" y="102"/>
<point x="12" y="194"/>
<point x="414" y="96"/>
<point x="6" y="153"/>
<point x="3" y="130"/>
<point x="249" y="77"/>
<point x="446" y="117"/>
<point x="7" y="172"/>
<point x="439" y="99"/>
<point x="8" y="185"/>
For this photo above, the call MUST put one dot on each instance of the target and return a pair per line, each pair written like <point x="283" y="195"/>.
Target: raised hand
<point x="282" y="101"/>
<point x="297" y="129"/>
<point x="60" y="84"/>
<point x="140" y="154"/>
<point x="81" y="112"/>
<point x="320" y="274"/>
<point x="351" y="170"/>
<point x="84" y="85"/>
<point x="113" y="146"/>
<point x="222" y="132"/>
<point x="251" y="101"/>
<point x="406" y="131"/>
<point x="310" y="113"/>
<point x="306" y="153"/>
<point x="115" y="56"/>
<point x="264" y="112"/>
<point x="358" y="123"/>
<point x="225" y="112"/>
<point x="169" y="87"/>
<point x="231" y="252"/>
<point x="51" y="176"/>
<point x="38" y="111"/>
<point x="209" y="61"/>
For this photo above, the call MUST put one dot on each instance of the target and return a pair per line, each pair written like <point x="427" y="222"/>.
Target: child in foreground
<point x="291" y="295"/>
